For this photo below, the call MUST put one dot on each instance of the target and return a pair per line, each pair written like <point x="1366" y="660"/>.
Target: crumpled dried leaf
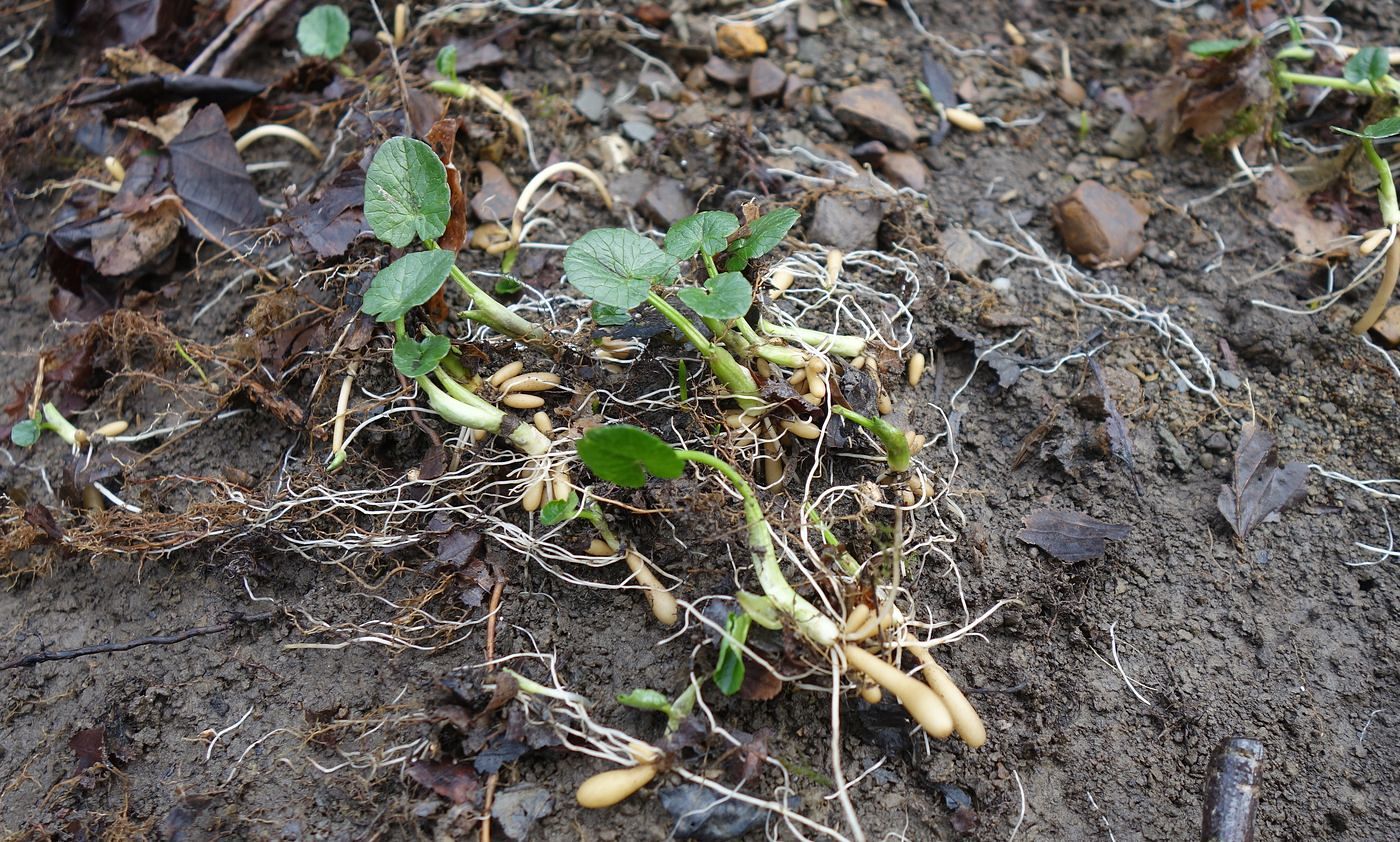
<point x="1070" y="536"/>
<point x="1289" y="211"/>
<point x="458" y="784"/>
<point x="708" y="816"/>
<point x="112" y="22"/>
<point x="1118" y="439"/>
<point x="1213" y="100"/>
<point x="517" y="808"/>
<point x="90" y="747"/>
<point x="1259" y="489"/>
<point x="211" y="180"/>
<point x="154" y="89"/>
<point x="327" y="225"/>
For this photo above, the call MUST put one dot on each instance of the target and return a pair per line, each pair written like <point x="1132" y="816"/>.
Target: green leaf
<point x="645" y="699"/>
<point x="724" y="297"/>
<point x="324" y="31"/>
<point x="1368" y="65"/>
<point x="609" y="316"/>
<point x="446" y="62"/>
<point x="1216" y="47"/>
<point x="406" y="192"/>
<point x="707" y="232"/>
<point x="764" y="235"/>
<point x="617" y="267"/>
<point x="623" y="455"/>
<point x="508" y="286"/>
<point x="415" y="359"/>
<point x="25" y="433"/>
<point x="729" y="670"/>
<point x="556" y="511"/>
<point x="1389" y="127"/>
<point x="406" y="283"/>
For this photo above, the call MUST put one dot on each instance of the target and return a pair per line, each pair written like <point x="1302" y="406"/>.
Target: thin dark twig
<point x="165" y="639"/>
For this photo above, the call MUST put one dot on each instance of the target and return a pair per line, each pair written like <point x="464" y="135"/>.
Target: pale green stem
<point x="1384" y="84"/>
<point x="733" y="375"/>
<point x="896" y="446"/>
<point x="846" y="346"/>
<point x="819" y="628"/>
<point x="493" y="313"/>
<point x="62" y="427"/>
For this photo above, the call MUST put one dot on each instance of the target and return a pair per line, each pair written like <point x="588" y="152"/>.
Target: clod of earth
<point x="1101" y="226"/>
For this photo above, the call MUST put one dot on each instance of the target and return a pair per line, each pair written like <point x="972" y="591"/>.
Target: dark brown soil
<point x="1285" y="638"/>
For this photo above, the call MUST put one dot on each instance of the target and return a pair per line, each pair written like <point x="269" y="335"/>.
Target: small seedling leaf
<point x="1216" y="47"/>
<point x="764" y="235"/>
<point x="623" y="455"/>
<point x="25" y="433"/>
<point x="706" y="232"/>
<point x="1389" y="127"/>
<point x="415" y="359"/>
<point x="1368" y="65"/>
<point x="645" y="699"/>
<point x="508" y="286"/>
<point x="406" y="193"/>
<point x="557" y="511"/>
<point x="724" y="297"/>
<point x="729" y="670"/>
<point x="617" y="267"/>
<point x="324" y="31"/>
<point x="406" y="283"/>
<point x="446" y="62"/>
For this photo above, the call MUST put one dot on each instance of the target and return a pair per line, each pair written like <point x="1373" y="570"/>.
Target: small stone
<point x="905" y="170"/>
<point x="740" y="40"/>
<point x="591" y="104"/>
<point x="472" y="57"/>
<point x="797" y="91"/>
<point x="1127" y="138"/>
<point x="657" y="83"/>
<point x="496" y="198"/>
<point x="638" y="130"/>
<point x="877" y="111"/>
<point x="1100" y="226"/>
<point x="1071" y="92"/>
<point x="766" y="80"/>
<point x="846" y="223"/>
<point x="1387" y="329"/>
<point x="693" y="115"/>
<point x="807" y="20"/>
<point x="869" y="152"/>
<point x="660" y="110"/>
<point x="666" y="202"/>
<point x="962" y="252"/>
<point x="827" y="18"/>
<point x="723" y="72"/>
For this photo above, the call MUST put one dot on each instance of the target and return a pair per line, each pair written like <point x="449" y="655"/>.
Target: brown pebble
<point x="740" y="40"/>
<point x="766" y="80"/>
<point x="1100" y="226"/>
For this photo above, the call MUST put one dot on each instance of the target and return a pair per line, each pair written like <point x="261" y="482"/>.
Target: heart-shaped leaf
<point x="623" y="455"/>
<point x="617" y="267"/>
<point x="706" y="232"/>
<point x="1368" y="65"/>
<point x="406" y="193"/>
<point x="1217" y="47"/>
<point x="764" y="235"/>
<point x="415" y="359"/>
<point x="724" y="297"/>
<point x="324" y="31"/>
<point x="406" y="283"/>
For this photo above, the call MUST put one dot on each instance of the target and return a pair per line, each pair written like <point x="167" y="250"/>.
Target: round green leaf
<point x="406" y="283"/>
<point x="1368" y="65"/>
<point x="764" y="235"/>
<point x="724" y="297"/>
<point x="25" y="433"/>
<point x="623" y="455"/>
<point x="406" y="192"/>
<point x="446" y="61"/>
<point x="324" y="31"/>
<point x="556" y="511"/>
<point x="706" y="232"/>
<point x="415" y="359"/>
<point x="617" y="267"/>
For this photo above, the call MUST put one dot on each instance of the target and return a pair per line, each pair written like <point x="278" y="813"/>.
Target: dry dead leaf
<point x="1259" y="488"/>
<point x="1070" y="536"/>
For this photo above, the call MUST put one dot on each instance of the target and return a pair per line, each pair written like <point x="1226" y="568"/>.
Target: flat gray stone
<point x="496" y="198"/>
<point x="845" y="222"/>
<point x="666" y="202"/>
<point x="876" y="111"/>
<point x="963" y="253"/>
<point x="766" y="80"/>
<point x="591" y="104"/>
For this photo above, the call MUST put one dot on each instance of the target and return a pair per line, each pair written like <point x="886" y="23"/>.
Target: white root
<point x="284" y="132"/>
<point x="517" y="222"/>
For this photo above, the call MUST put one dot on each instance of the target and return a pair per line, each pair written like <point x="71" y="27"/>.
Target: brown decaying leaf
<point x="1206" y="98"/>
<point x="458" y="784"/>
<point x="90" y="747"/>
<point x="1259" y="488"/>
<point x="327" y="226"/>
<point x="1070" y="536"/>
<point x="210" y="178"/>
<point x="1118" y="438"/>
<point x="112" y="22"/>
<point x="1289" y="211"/>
